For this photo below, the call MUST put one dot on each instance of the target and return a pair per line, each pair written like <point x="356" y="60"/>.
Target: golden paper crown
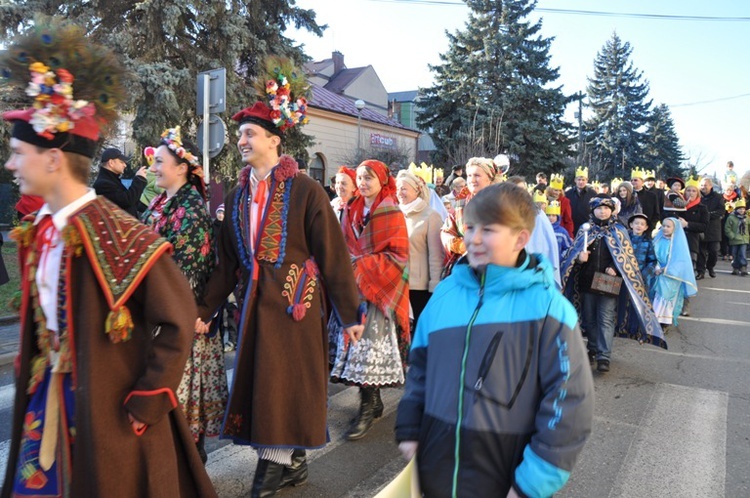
<point x="556" y="181"/>
<point x="581" y="171"/>
<point x="553" y="208"/>
<point x="740" y="203"/>
<point x="649" y="173"/>
<point x="596" y="185"/>
<point x="693" y="182"/>
<point x="615" y="183"/>
<point x="437" y="173"/>
<point x="638" y="173"/>
<point x="422" y="171"/>
<point x="539" y="197"/>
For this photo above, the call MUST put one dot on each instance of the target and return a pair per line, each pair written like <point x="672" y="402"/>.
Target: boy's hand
<point x="658" y="271"/>
<point x="583" y="256"/>
<point x="611" y="272"/>
<point x="408" y="449"/>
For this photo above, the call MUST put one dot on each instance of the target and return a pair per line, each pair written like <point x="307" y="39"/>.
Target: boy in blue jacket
<point x="499" y="397"/>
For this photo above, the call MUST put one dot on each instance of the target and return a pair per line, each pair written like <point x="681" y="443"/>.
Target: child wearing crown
<point x="563" y="238"/>
<point x="95" y="408"/>
<point x="737" y="235"/>
<point x="555" y="192"/>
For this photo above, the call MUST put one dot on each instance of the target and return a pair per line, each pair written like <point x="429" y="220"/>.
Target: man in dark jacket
<point x="650" y="185"/>
<point x="108" y="182"/>
<point x="579" y="197"/>
<point x="709" y="246"/>
<point x="650" y="204"/>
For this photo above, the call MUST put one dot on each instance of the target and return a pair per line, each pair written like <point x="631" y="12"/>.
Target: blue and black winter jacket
<point x="499" y="392"/>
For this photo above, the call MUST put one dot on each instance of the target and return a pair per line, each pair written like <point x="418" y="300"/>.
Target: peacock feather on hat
<point x="68" y="77"/>
<point x="283" y="87"/>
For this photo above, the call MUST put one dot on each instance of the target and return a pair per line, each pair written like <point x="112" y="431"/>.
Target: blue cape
<point x="618" y="242"/>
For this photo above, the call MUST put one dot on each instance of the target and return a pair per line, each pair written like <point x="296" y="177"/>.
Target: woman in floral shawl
<point x="376" y="235"/>
<point x="179" y="215"/>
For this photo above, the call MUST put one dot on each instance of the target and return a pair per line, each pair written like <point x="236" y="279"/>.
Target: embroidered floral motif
<point x="24" y="233"/>
<point x="272" y="244"/>
<point x="299" y="288"/>
<point x="72" y="238"/>
<point x="233" y="424"/>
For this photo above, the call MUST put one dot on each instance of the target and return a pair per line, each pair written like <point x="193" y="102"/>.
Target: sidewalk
<point x="9" y="340"/>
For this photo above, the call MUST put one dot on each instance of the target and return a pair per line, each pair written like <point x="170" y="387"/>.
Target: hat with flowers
<point x="74" y="86"/>
<point x="282" y="92"/>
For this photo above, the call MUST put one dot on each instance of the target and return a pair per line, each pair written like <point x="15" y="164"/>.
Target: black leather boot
<point x="363" y="422"/>
<point x="377" y="406"/>
<point x="201" y="445"/>
<point x="267" y="479"/>
<point x="296" y="473"/>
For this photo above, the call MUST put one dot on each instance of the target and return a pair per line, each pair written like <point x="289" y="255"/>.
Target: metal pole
<point x="206" y="117"/>
<point x="359" y="130"/>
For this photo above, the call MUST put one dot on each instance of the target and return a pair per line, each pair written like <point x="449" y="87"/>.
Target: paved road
<point x="667" y="423"/>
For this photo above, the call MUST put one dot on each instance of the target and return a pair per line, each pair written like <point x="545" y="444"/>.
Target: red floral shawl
<point x="380" y="259"/>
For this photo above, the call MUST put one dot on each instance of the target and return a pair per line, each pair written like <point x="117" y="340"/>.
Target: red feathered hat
<point x="259" y="114"/>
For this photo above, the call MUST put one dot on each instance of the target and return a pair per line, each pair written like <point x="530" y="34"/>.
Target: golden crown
<point x="638" y="173"/>
<point x="581" y="171"/>
<point x="596" y="185"/>
<point x="740" y="203"/>
<point x="693" y="182"/>
<point x="649" y="173"/>
<point x="553" y="208"/>
<point x="557" y="181"/>
<point x="422" y="171"/>
<point x="616" y="183"/>
<point x="539" y="197"/>
<point x="437" y="173"/>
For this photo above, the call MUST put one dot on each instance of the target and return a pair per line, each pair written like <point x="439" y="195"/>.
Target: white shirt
<point x="50" y="258"/>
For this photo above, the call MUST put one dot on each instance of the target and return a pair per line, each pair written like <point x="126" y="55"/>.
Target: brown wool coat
<point x="279" y="391"/>
<point x="109" y="459"/>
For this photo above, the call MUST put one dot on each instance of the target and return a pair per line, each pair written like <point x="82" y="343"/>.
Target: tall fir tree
<point x="618" y="96"/>
<point x="663" y="151"/>
<point x="166" y="43"/>
<point x="494" y="92"/>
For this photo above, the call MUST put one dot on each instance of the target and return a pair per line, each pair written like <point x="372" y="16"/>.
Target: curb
<point x="9" y="319"/>
<point x="7" y="358"/>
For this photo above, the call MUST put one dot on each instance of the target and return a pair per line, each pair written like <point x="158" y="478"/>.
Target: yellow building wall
<point x="335" y="138"/>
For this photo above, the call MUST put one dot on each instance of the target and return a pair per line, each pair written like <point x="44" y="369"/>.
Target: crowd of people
<point x="483" y="297"/>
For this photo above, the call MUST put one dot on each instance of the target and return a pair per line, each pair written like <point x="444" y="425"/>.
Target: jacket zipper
<point x="459" y="421"/>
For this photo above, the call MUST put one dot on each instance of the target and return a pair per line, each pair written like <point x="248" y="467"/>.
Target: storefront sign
<point x="378" y="140"/>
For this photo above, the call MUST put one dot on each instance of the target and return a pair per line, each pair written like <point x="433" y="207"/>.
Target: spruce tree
<point x="618" y="96"/>
<point x="494" y="92"/>
<point x="663" y="152"/>
<point x="166" y="43"/>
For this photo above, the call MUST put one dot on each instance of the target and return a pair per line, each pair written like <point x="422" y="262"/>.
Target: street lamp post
<point x="359" y="104"/>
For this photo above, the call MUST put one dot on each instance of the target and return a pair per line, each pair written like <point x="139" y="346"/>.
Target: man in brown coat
<point x="107" y="319"/>
<point x="282" y="247"/>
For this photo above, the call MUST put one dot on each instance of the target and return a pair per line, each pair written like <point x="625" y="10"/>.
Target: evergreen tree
<point x="615" y="134"/>
<point x="493" y="92"/>
<point x="166" y="43"/>
<point x="663" y="152"/>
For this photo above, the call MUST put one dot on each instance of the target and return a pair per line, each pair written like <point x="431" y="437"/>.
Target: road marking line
<point x="725" y="290"/>
<point x="679" y="421"/>
<point x="720" y="321"/>
<point x="735" y="302"/>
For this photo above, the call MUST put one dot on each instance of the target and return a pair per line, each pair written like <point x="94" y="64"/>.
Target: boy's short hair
<point x="80" y="166"/>
<point x="505" y="204"/>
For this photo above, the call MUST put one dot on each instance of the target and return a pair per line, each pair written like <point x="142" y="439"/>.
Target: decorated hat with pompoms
<point x="73" y="84"/>
<point x="282" y="92"/>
